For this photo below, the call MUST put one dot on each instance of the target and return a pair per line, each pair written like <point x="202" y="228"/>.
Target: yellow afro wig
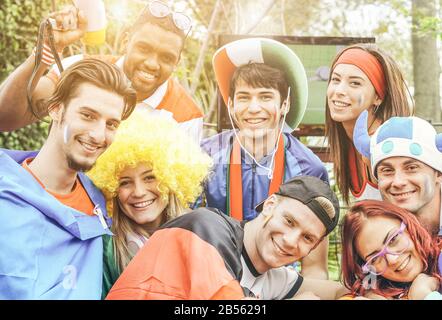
<point x="177" y="162"/>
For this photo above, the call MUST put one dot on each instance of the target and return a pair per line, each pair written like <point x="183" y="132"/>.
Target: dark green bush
<point x="19" y="21"/>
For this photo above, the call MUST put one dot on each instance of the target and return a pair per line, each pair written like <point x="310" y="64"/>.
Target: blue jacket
<point x="299" y="161"/>
<point x="48" y="250"/>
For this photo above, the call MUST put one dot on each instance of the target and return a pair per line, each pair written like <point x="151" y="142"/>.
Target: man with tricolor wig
<point x="264" y="85"/>
<point x="406" y="158"/>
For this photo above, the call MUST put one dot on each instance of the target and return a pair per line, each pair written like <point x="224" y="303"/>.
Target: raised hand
<point x="69" y="26"/>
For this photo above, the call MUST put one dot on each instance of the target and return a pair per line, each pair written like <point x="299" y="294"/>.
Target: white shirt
<point x="275" y="284"/>
<point x="194" y="127"/>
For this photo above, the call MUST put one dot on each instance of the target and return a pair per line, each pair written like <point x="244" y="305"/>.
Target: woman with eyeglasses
<point x="386" y="253"/>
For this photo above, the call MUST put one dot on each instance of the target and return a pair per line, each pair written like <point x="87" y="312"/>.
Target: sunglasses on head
<point x="159" y="9"/>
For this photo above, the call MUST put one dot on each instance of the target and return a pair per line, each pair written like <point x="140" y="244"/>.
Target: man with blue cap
<point x="406" y="158"/>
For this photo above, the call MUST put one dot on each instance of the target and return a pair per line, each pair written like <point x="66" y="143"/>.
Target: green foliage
<point x="19" y="21"/>
<point x="429" y="26"/>
<point x="27" y="138"/>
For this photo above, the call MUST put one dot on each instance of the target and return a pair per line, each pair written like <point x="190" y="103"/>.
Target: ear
<point x="285" y="107"/>
<point x="267" y="211"/>
<point x="231" y="108"/>
<point x="229" y="103"/>
<point x="269" y="204"/>
<point x="377" y="101"/>
<point x="439" y="177"/>
<point x="56" y="112"/>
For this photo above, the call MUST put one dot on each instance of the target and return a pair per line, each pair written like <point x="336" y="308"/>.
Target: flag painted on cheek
<point x="66" y="134"/>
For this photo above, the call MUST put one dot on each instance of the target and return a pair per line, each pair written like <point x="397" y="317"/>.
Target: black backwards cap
<point x="305" y="189"/>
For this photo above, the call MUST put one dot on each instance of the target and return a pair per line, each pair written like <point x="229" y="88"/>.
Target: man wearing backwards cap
<point x="406" y="159"/>
<point x="264" y="85"/>
<point x="205" y="254"/>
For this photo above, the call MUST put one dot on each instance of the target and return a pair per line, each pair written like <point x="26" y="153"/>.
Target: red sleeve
<point x="180" y="103"/>
<point x="176" y="264"/>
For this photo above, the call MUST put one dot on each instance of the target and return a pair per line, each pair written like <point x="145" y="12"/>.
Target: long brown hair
<point x="122" y="226"/>
<point x="352" y="263"/>
<point x="397" y="102"/>
<point x="93" y="71"/>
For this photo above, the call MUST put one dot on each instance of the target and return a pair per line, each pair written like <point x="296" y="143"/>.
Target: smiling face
<point x="85" y="127"/>
<point x="371" y="239"/>
<point x="349" y="92"/>
<point x="151" y="57"/>
<point x="407" y="183"/>
<point x="139" y="198"/>
<point x="256" y="111"/>
<point x="291" y="233"/>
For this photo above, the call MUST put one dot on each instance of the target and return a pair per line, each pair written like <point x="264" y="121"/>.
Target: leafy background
<point x="393" y="27"/>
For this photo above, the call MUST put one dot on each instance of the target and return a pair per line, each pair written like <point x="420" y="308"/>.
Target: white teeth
<point x="143" y="204"/>
<point x="341" y="104"/>
<point x="147" y="76"/>
<point x="89" y="147"/>
<point x="255" y="121"/>
<point x="403" y="264"/>
<point x="404" y="194"/>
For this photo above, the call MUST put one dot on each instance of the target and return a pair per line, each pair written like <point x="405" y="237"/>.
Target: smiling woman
<point x="387" y="252"/>
<point x="362" y="77"/>
<point x="149" y="175"/>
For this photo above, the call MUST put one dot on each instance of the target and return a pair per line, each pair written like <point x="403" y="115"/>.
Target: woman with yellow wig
<point x="149" y="175"/>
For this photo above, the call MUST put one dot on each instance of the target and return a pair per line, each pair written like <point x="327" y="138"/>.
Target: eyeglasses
<point x="396" y="244"/>
<point x="161" y="10"/>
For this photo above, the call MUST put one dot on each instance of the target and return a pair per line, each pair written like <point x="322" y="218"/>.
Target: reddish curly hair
<point x="352" y="263"/>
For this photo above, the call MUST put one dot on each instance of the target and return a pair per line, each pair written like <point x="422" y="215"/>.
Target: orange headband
<point x="369" y="65"/>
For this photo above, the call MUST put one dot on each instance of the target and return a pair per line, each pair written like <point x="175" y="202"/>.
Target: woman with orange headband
<point x="386" y="253"/>
<point x="362" y="77"/>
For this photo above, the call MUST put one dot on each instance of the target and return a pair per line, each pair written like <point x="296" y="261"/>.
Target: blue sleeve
<point x="304" y="158"/>
<point x="324" y="174"/>
<point x="16" y="288"/>
<point x="198" y="203"/>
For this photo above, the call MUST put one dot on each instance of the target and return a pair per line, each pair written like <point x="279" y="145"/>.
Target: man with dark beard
<point x="51" y="219"/>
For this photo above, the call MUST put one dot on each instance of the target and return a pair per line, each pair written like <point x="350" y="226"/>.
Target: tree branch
<point x="252" y="26"/>
<point x="200" y="62"/>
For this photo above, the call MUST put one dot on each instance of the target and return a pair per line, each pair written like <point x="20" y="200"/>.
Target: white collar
<point x="155" y="99"/>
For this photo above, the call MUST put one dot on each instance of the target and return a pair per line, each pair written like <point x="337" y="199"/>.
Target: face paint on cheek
<point x="66" y="134"/>
<point x="428" y="191"/>
<point x="361" y="100"/>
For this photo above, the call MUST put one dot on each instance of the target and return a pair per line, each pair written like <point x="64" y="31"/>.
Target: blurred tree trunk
<point x="205" y="45"/>
<point x="426" y="67"/>
<point x="250" y="27"/>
